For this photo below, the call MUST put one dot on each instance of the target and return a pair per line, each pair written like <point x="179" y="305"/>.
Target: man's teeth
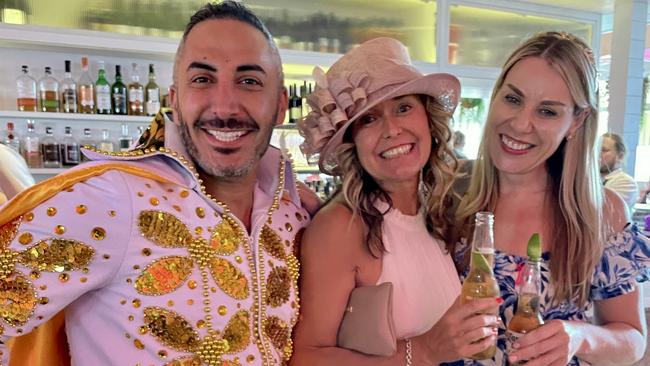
<point x="395" y="152"/>
<point x="513" y="144"/>
<point x="226" y="136"/>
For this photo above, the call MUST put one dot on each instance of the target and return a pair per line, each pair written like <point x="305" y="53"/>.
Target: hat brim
<point x="435" y="85"/>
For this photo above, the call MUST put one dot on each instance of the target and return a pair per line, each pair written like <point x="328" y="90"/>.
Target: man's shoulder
<point x="100" y="180"/>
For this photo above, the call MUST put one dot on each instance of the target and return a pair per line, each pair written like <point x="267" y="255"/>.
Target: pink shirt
<point x="425" y="282"/>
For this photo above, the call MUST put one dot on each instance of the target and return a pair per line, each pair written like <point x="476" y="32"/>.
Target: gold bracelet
<point x="409" y="352"/>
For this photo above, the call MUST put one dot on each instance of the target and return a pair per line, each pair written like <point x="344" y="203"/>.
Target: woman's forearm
<point x="610" y="344"/>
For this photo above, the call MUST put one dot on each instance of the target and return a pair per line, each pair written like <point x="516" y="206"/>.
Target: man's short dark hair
<point x="233" y="10"/>
<point x="227" y="10"/>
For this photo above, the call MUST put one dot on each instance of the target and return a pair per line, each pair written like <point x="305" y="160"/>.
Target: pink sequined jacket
<point x="148" y="268"/>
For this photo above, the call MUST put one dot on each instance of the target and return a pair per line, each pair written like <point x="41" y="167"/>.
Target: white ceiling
<point x="596" y="6"/>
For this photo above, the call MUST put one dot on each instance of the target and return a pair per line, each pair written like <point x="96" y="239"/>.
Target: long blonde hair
<point x="576" y="195"/>
<point x="359" y="190"/>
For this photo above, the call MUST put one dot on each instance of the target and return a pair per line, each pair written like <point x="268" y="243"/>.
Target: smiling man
<point x="180" y="252"/>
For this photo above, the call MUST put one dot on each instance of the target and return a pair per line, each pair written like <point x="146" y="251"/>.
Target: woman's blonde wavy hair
<point x="359" y="190"/>
<point x="576" y="194"/>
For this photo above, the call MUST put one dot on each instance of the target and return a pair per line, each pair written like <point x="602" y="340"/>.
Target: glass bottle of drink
<point x="295" y="106"/>
<point x="152" y="100"/>
<point x="480" y="282"/>
<point x="136" y="93"/>
<point x="51" y="150"/>
<point x="87" y="141"/>
<point x="118" y="93"/>
<point x="527" y="316"/>
<point x="11" y="139"/>
<point x="32" y="147"/>
<point x="26" y="91"/>
<point x="86" y="89"/>
<point x="102" y="91"/>
<point x="125" y="140"/>
<point x="68" y="91"/>
<point x="105" y="144"/>
<point x="48" y="87"/>
<point x="70" y="154"/>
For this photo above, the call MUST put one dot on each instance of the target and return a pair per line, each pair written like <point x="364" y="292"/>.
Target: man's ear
<point x="283" y="103"/>
<point x="173" y="99"/>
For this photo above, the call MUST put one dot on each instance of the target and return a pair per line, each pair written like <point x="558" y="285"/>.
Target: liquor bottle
<point x="136" y="93"/>
<point x="118" y="93"/>
<point x="48" y="88"/>
<point x="50" y="150"/>
<point x="11" y="139"/>
<point x="68" y="91"/>
<point x="102" y="91"/>
<point x="480" y="282"/>
<point x="70" y="154"/>
<point x="86" y="142"/>
<point x="152" y="100"/>
<point x="295" y="106"/>
<point x="125" y="140"/>
<point x="527" y="316"/>
<point x="26" y="91"/>
<point x="105" y="144"/>
<point x="31" y="147"/>
<point x="306" y="108"/>
<point x="86" y="89"/>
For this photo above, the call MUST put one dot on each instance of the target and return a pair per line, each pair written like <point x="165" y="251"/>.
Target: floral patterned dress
<point x="625" y="261"/>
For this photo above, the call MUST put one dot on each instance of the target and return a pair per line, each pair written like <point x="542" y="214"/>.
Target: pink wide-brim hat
<point x="377" y="70"/>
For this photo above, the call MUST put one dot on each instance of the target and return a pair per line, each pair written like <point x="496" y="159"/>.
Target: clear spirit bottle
<point x="50" y="150"/>
<point x="70" y="154"/>
<point x="31" y="147"/>
<point x="152" y="104"/>
<point x="105" y="144"/>
<point x="26" y="91"/>
<point x="68" y="91"/>
<point x="48" y="88"/>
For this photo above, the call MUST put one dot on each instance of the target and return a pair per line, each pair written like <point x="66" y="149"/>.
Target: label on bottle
<point x="69" y="101"/>
<point x="295" y="113"/>
<point x="119" y="101"/>
<point x="103" y="98"/>
<point x="106" y="146"/>
<point x="153" y="101"/>
<point x="71" y="155"/>
<point x="86" y="96"/>
<point x="136" y="95"/>
<point x="51" y="156"/>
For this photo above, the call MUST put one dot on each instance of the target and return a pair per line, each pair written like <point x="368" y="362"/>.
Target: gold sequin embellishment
<point x="238" y="332"/>
<point x="164" y="276"/>
<point x="272" y="243"/>
<point x="171" y="329"/>
<point x="278" y="287"/>
<point x="229" y="278"/>
<point x="57" y="255"/>
<point x="278" y="332"/>
<point x="17" y="299"/>
<point x="164" y="229"/>
<point x="225" y="238"/>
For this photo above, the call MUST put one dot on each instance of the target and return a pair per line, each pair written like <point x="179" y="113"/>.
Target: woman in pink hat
<point x="537" y="171"/>
<point x="383" y="127"/>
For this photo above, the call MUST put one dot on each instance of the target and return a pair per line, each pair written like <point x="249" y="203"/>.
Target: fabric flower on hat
<point x="332" y="103"/>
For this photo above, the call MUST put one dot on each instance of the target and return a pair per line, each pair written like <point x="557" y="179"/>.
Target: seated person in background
<point x="535" y="170"/>
<point x="14" y="173"/>
<point x="458" y="140"/>
<point x="612" y="156"/>
<point x="383" y="127"/>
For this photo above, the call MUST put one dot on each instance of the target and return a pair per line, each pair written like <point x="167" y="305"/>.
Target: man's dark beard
<point x="219" y="123"/>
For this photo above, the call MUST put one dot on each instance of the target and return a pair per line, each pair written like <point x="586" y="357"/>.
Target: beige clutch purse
<point x="367" y="325"/>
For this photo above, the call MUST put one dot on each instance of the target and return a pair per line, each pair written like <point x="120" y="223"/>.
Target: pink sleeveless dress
<point x="425" y="282"/>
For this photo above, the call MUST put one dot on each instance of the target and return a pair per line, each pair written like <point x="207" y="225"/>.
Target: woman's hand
<point x="463" y="330"/>
<point x="554" y="344"/>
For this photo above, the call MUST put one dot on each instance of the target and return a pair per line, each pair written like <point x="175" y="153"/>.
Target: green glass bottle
<point x="102" y="91"/>
<point x="118" y="93"/>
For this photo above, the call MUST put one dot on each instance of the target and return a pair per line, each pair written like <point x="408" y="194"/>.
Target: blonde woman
<point x="383" y="126"/>
<point x="537" y="171"/>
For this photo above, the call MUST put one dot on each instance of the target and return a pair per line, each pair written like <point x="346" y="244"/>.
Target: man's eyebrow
<point x="251" y="67"/>
<point x="202" y="65"/>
